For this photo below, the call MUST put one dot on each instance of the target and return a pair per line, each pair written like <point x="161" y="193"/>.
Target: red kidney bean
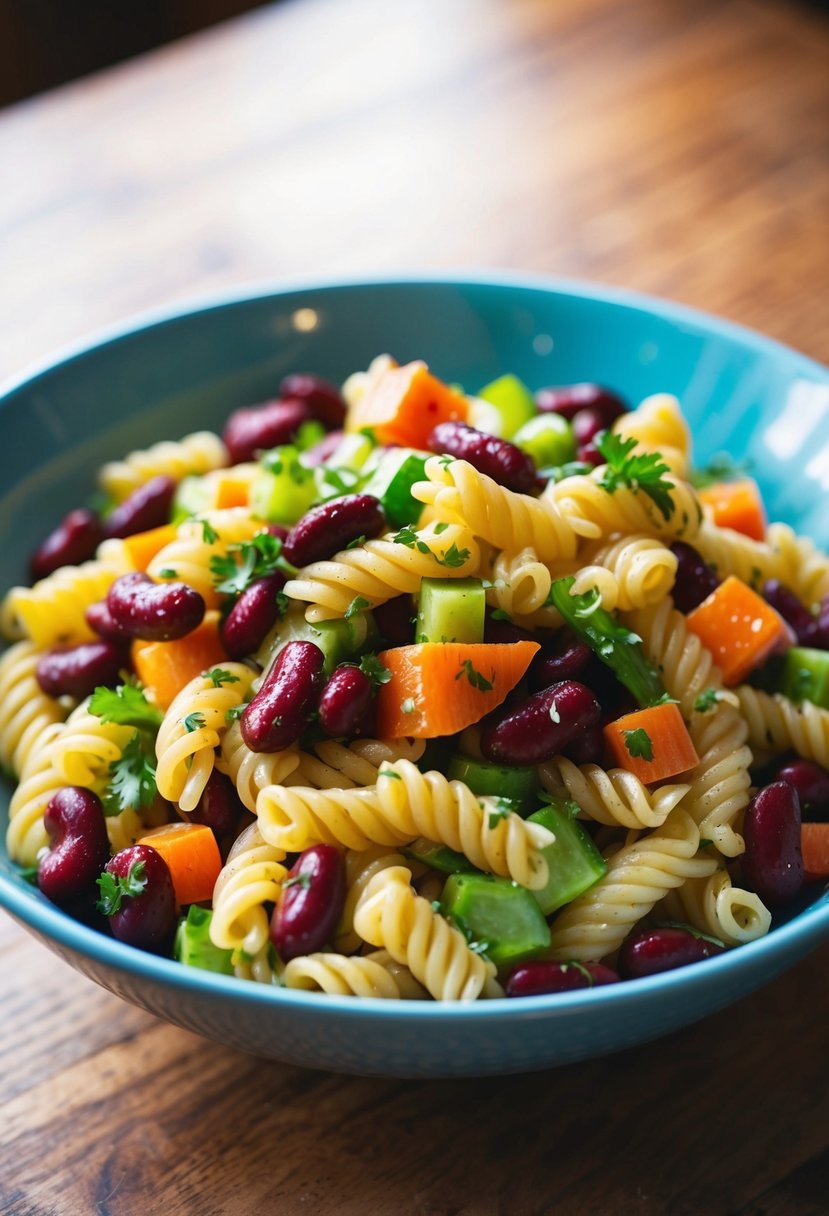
<point x="786" y="603"/>
<point x="277" y="530"/>
<point x="496" y="458"/>
<point x="773" y="862"/>
<point x="155" y="612"/>
<point x="252" y="616"/>
<point x="219" y="807"/>
<point x="587" y="748"/>
<point x="569" y="399"/>
<point x="256" y="428"/>
<point x="396" y="620"/>
<point x="695" y="579"/>
<point x="653" y="950"/>
<point x="98" y="618"/>
<point x="588" y="453"/>
<point x="76" y="671"/>
<point x="812" y="785"/>
<point x="313" y="897"/>
<point x="561" y="659"/>
<point x="326" y="529"/>
<point x="324" y="450"/>
<point x="78" y="846"/>
<point x="323" y="397"/>
<point x="541" y="978"/>
<point x="537" y="728"/>
<point x="147" y="507"/>
<point x="587" y="424"/>
<point x="289" y="694"/>
<point x="505" y="631"/>
<point x="74" y="541"/>
<point x="148" y="918"/>
<point x="818" y="636"/>
<point x="347" y="704"/>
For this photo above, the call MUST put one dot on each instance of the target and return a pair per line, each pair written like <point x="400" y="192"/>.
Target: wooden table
<point x="677" y="148"/>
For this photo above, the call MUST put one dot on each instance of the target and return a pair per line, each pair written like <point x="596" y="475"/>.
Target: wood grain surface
<point x="680" y="148"/>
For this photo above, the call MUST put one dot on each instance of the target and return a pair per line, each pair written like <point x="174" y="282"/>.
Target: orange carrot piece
<point x="143" y="546"/>
<point x="232" y="490"/>
<point x="739" y="628"/>
<point x="652" y="743"/>
<point x="165" y="667"/>
<point x="405" y="404"/>
<point x="192" y="856"/>
<point x="737" y="505"/>
<point x="440" y="688"/>
<point x="814" y="843"/>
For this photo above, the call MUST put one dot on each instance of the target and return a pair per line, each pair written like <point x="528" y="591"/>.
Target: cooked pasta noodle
<point x="714" y="905"/>
<point x="360" y="867"/>
<point x="658" y="426"/>
<point x="251" y="878"/>
<point x="630" y="572"/>
<point x="26" y="835"/>
<point x="613" y="797"/>
<point x="190" y="554"/>
<point x="794" y="560"/>
<point x="196" y="453"/>
<point x="776" y="724"/>
<point x="333" y="765"/>
<point x="25" y="710"/>
<point x="53" y="611"/>
<point x="592" y="511"/>
<point x="251" y="772"/>
<point x="341" y="975"/>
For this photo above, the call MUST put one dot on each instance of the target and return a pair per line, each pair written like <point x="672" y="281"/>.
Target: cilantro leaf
<point x="453" y="557"/>
<point x="114" y="887"/>
<point x="193" y="722"/>
<point x="475" y="678"/>
<point x="247" y="562"/>
<point x="208" y="532"/>
<point x="406" y="536"/>
<point x="371" y="666"/>
<point x="706" y="700"/>
<point x="496" y="809"/>
<point x="302" y="879"/>
<point x="639" y="744"/>
<point x="357" y="542"/>
<point x="131" y="779"/>
<point x="125" y="705"/>
<point x="722" y="467"/>
<point x="235" y="712"/>
<point x="358" y="604"/>
<point x="168" y="573"/>
<point x="638" y="471"/>
<point x="218" y="676"/>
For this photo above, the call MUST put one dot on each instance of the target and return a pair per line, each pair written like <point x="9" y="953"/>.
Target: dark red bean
<point x="588" y="453"/>
<point x="313" y="897"/>
<point x="653" y="950"/>
<point x="289" y="694"/>
<point x="562" y="659"/>
<point x="98" y="617"/>
<point x="587" y="748"/>
<point x="219" y="807"/>
<point x="812" y="785"/>
<point x="541" y="978"/>
<point x="330" y="527"/>
<point x="277" y="530"/>
<point x="322" y="451"/>
<point x="323" y="397"/>
<point x="347" y="704"/>
<point x="818" y="635"/>
<point x="569" y="399"/>
<point x="73" y="541"/>
<point x="146" y="919"/>
<point x="538" y="728"/>
<point x="496" y="630"/>
<point x="76" y="671"/>
<point x="396" y="620"/>
<point x="695" y="579"/>
<point x="252" y="616"/>
<point x="495" y="458"/>
<point x="259" y="427"/>
<point x="587" y="424"/>
<point x="147" y="507"/>
<point x="773" y="861"/>
<point x="155" y="612"/>
<point x="78" y="846"/>
<point x="786" y="603"/>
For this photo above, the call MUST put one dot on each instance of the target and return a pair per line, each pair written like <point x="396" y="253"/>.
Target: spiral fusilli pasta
<point x="52" y="611"/>
<point x="714" y="905"/>
<point x="776" y="724"/>
<point x="252" y="877"/>
<point x="631" y="572"/>
<point x="25" y="710"/>
<point x="658" y="426"/>
<point x="592" y="511"/>
<point x="611" y="797"/>
<point x="196" y="453"/>
<point x="197" y="542"/>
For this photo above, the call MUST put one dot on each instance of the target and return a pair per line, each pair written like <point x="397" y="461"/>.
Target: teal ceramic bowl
<point x="182" y="372"/>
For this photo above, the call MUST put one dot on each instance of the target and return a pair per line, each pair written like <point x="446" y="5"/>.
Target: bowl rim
<point x="810" y="926"/>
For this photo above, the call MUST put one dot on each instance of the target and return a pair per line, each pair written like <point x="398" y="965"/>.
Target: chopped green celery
<point x="439" y="857"/>
<point x="193" y="946"/>
<point x="805" y="675"/>
<point x="519" y="784"/>
<point x="548" y="439"/>
<point x="392" y="481"/>
<point x="513" y="401"/>
<point x="496" y="916"/>
<point x="351" y="452"/>
<point x="284" y="488"/>
<point x="484" y="416"/>
<point x="309" y="434"/>
<point x="339" y="640"/>
<point x="189" y="499"/>
<point x="615" y="645"/>
<point x="574" y="862"/>
<point x="450" y="610"/>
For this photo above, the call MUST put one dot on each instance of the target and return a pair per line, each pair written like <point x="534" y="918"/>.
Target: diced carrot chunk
<point x="736" y="505"/>
<point x="165" y="667"/>
<point x="652" y="743"/>
<point x="192" y="857"/>
<point x="739" y="628"/>
<point x="814" y="843"/>
<point x="143" y="546"/>
<point x="405" y="404"/>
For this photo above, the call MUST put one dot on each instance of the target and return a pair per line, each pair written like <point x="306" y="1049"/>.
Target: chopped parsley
<point x="131" y="778"/>
<point x="453" y="557"/>
<point x="167" y="573"/>
<point x="390" y="774"/>
<point x="496" y="809"/>
<point x="639" y="744"/>
<point x="125" y="705"/>
<point x="642" y="472"/>
<point x="357" y="542"/>
<point x="498" y="614"/>
<point x="440" y="528"/>
<point x="358" y="604"/>
<point x="706" y="701"/>
<point x="722" y="467"/>
<point x="218" y="676"/>
<point x="298" y="880"/>
<point x="371" y="666"/>
<point x="193" y="722"/>
<point x="208" y="532"/>
<point x="475" y="678"/>
<point x="235" y="712"/>
<point x="436" y="907"/>
<point x="408" y="537"/>
<point x="247" y="562"/>
<point x="114" y="887"/>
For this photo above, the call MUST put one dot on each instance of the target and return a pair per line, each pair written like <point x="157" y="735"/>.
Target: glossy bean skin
<point x="154" y="612"/>
<point x="569" y="399"/>
<point x="795" y="614"/>
<point x="562" y="659"/>
<point x="76" y="671"/>
<point x="289" y="694"/>
<point x="651" y="951"/>
<point x="146" y="920"/>
<point x="78" y="847"/>
<point x="313" y="897"/>
<point x="252" y="616"/>
<point x="99" y="618"/>
<point x="695" y="579"/>
<point x="396" y="620"/>
<point x="812" y="784"/>
<point x="73" y="541"/>
<point x="587" y="747"/>
<point x="347" y="703"/>
<point x="536" y="729"/>
<point x="773" y="861"/>
<point x="587" y="424"/>
<point x="496" y="458"/>
<point x="324" y="450"/>
<point x="256" y="428"/>
<point x="147" y="507"/>
<point x="219" y="807"/>
<point x="332" y="526"/>
<point x="321" y="397"/>
<point x="541" y="978"/>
